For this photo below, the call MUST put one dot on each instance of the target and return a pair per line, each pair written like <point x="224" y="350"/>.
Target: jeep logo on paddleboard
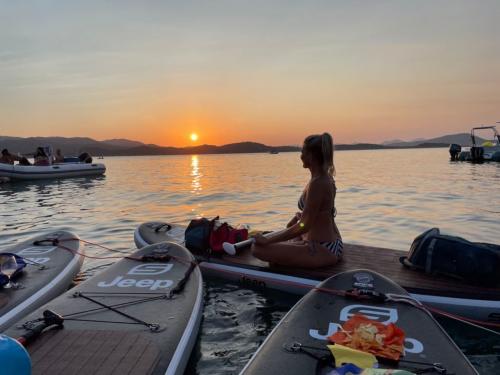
<point x="121" y="282"/>
<point x="143" y="270"/>
<point x="373" y="312"/>
<point x="150" y="269"/>
<point x="36" y="250"/>
<point x="252" y="282"/>
<point x="381" y="314"/>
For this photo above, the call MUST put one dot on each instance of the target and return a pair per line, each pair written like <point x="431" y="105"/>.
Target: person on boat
<point x="41" y="157"/>
<point x="58" y="158"/>
<point x="311" y="238"/>
<point x="7" y="157"/>
<point x="85" y="157"/>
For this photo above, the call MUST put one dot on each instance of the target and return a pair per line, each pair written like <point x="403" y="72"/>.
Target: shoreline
<point x="289" y="149"/>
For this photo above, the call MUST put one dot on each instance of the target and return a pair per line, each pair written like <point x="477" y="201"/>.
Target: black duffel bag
<point x="436" y="253"/>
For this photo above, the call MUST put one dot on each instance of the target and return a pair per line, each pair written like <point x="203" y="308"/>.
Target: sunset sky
<point x="267" y="71"/>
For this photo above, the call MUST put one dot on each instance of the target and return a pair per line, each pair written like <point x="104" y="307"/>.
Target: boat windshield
<point x="496" y="137"/>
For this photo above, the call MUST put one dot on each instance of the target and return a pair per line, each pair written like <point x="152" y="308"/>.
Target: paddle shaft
<point x="244" y="244"/>
<point x="250" y="241"/>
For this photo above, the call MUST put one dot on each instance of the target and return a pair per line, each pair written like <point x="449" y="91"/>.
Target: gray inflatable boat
<point x="297" y="345"/>
<point x="49" y="272"/>
<point x="139" y="316"/>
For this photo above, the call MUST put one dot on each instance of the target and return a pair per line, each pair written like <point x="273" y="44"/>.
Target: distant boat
<point x="274" y="152"/>
<point x="62" y="170"/>
<point x="488" y="151"/>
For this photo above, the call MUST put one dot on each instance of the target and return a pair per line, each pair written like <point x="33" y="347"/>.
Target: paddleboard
<point x="446" y="294"/>
<point x="304" y="330"/>
<point x="49" y="272"/>
<point x="139" y="316"/>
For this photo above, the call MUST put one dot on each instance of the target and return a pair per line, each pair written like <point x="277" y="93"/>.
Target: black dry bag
<point x="197" y="234"/>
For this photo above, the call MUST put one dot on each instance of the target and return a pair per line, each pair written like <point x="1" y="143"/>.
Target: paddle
<point x="50" y="318"/>
<point x="231" y="248"/>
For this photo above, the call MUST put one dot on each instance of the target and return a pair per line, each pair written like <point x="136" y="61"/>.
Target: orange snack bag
<point x="370" y="336"/>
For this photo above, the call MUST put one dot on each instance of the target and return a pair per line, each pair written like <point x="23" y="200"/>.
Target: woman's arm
<point x="302" y="225"/>
<point x="294" y="219"/>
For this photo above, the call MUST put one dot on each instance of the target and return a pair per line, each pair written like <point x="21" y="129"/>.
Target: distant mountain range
<point x="125" y="147"/>
<point x="460" y="138"/>
<point x="117" y="147"/>
<point x="123" y="143"/>
<point x="394" y="141"/>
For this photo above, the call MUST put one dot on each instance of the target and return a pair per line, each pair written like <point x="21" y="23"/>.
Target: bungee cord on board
<point x="50" y="318"/>
<point x="342" y="293"/>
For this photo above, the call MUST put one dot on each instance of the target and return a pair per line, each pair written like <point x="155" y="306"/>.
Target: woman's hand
<point x="261" y="240"/>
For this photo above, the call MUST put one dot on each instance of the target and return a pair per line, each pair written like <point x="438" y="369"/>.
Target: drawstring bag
<point x="202" y="235"/>
<point x="225" y="233"/>
<point x="219" y="235"/>
<point x="4" y="279"/>
<point x="237" y="235"/>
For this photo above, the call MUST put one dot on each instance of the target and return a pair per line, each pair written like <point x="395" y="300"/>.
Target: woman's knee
<point x="258" y="251"/>
<point x="331" y="260"/>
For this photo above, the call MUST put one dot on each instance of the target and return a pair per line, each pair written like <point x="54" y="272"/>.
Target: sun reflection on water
<point x="196" y="186"/>
<point x="196" y="176"/>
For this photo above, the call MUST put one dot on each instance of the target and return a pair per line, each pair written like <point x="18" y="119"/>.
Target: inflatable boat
<point x="62" y="170"/>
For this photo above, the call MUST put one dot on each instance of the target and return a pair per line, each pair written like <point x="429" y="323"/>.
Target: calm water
<point x="385" y="198"/>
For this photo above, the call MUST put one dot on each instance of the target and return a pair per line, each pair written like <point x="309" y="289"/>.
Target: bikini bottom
<point x="335" y="247"/>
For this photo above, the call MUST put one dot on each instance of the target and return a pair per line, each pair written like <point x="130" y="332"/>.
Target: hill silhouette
<point x="460" y="138"/>
<point x="125" y="147"/>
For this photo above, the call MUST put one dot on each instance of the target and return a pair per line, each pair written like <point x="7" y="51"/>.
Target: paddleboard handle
<point x="367" y="293"/>
<point x="50" y="318"/>
<point x="47" y="242"/>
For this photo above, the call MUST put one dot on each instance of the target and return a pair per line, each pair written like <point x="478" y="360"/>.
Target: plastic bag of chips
<point x="370" y="336"/>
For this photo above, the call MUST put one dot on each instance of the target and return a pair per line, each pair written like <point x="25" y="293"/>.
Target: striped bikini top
<point x="302" y="203"/>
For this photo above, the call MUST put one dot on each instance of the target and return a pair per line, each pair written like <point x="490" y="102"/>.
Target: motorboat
<point x="487" y="151"/>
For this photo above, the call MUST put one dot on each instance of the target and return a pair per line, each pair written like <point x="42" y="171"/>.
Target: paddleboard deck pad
<point x="49" y="272"/>
<point x="450" y="295"/>
<point x="317" y="316"/>
<point x="139" y="316"/>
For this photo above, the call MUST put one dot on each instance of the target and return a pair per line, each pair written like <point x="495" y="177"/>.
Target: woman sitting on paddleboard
<point x="311" y="238"/>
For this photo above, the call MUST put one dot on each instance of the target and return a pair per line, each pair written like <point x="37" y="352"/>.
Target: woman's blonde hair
<point x="321" y="148"/>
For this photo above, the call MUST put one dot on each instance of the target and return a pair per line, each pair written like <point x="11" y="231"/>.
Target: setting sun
<point x="194" y="137"/>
